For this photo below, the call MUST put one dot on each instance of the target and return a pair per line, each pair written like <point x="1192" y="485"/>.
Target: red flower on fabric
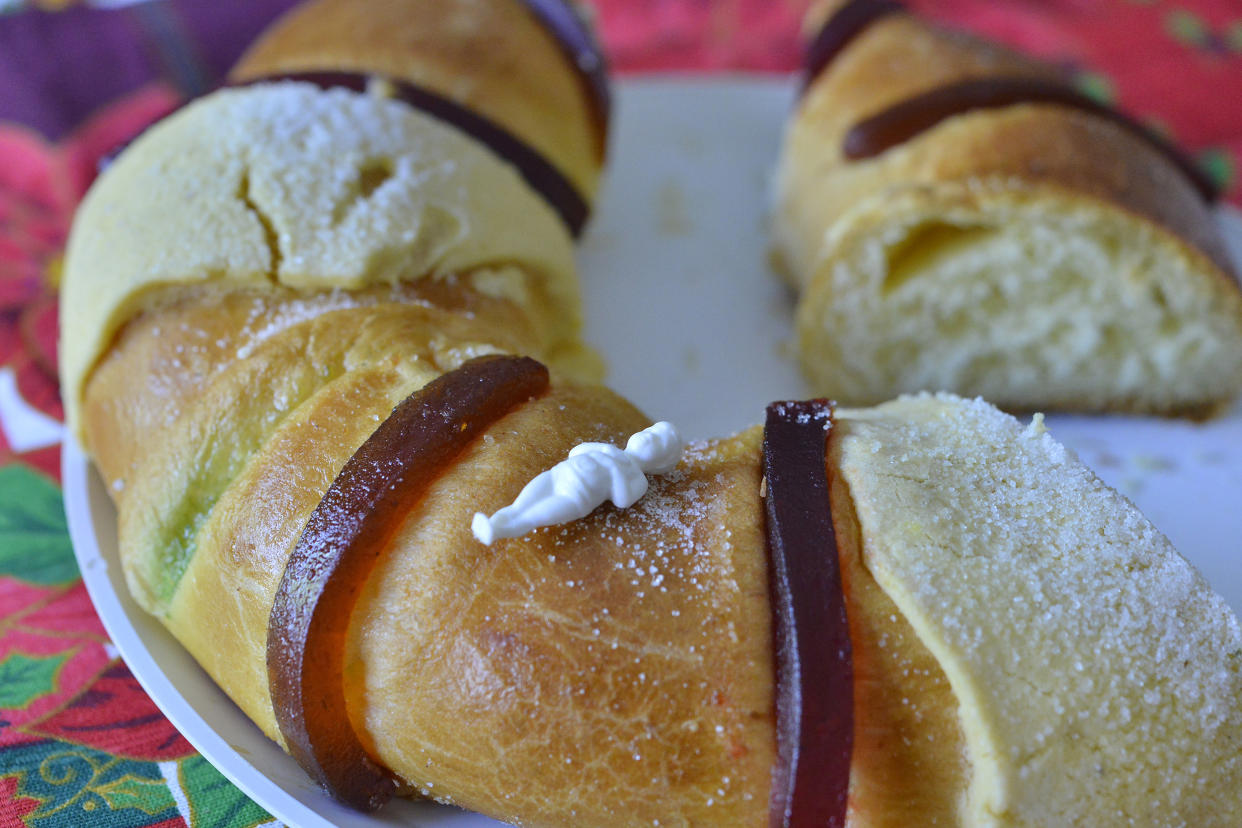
<point x="656" y="35"/>
<point x="40" y="185"/>
<point x="17" y="807"/>
<point x="52" y="652"/>
<point x="114" y="715"/>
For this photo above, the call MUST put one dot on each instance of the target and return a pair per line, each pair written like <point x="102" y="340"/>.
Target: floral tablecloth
<point x="80" y="743"/>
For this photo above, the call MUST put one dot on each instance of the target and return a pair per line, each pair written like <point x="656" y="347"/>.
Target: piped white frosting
<point x="593" y="473"/>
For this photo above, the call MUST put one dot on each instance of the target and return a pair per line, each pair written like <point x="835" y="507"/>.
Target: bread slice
<point x="1042" y="256"/>
<point x="1096" y="676"/>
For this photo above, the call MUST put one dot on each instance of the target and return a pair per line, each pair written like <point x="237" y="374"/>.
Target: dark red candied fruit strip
<point x="913" y="116"/>
<point x="344" y="539"/>
<point x="814" y="667"/>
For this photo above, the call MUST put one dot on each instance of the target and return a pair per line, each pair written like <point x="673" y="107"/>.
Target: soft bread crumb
<point x="1030" y="297"/>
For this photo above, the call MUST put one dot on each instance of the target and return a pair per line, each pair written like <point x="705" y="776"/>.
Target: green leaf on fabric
<point x="1219" y="165"/>
<point x="24" y="678"/>
<point x="1187" y="27"/>
<point x="34" y="538"/>
<point x="1097" y="87"/>
<point x="151" y="796"/>
<point x="77" y="787"/>
<point x="214" y="801"/>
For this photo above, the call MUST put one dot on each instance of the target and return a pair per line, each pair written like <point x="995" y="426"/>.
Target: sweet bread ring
<point x="619" y="669"/>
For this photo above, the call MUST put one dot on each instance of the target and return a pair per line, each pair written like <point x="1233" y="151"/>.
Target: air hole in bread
<point x="924" y="244"/>
<point x="372" y="175"/>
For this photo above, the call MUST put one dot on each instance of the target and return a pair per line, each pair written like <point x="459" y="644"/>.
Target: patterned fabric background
<point x="80" y="743"/>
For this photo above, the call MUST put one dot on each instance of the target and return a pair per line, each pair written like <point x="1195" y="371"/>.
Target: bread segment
<point x="1096" y="673"/>
<point x="493" y="56"/>
<point x="615" y="671"/>
<point x="1038" y="255"/>
<point x="290" y="185"/>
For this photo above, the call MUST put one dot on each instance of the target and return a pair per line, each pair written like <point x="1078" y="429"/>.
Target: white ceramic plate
<point x="695" y="328"/>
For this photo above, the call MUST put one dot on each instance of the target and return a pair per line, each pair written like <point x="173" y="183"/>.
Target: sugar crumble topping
<point x="1081" y="641"/>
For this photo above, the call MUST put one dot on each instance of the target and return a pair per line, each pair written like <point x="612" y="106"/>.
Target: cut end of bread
<point x="1032" y="297"/>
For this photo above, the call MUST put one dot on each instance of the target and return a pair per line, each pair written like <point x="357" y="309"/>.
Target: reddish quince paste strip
<point x="342" y="542"/>
<point x="913" y="116"/>
<point x="839" y="30"/>
<point x="557" y="190"/>
<point x="814" y="667"/>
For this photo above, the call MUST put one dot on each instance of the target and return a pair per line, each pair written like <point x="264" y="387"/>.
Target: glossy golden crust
<point x="493" y="56"/>
<point x="163" y="359"/>
<point x="624" y="659"/>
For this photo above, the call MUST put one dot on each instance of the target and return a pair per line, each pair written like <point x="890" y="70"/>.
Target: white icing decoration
<point x="593" y="473"/>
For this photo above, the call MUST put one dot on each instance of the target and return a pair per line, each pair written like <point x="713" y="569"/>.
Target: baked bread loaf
<point x="955" y="217"/>
<point x="259" y="284"/>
